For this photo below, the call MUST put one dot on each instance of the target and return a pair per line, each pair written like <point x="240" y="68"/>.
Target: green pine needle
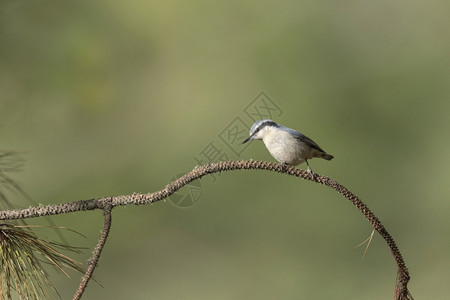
<point x="21" y="257"/>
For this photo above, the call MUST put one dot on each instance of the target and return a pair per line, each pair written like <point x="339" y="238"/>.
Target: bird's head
<point x="260" y="129"/>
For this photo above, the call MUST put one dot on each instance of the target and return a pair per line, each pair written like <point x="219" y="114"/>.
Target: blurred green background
<point x="114" y="97"/>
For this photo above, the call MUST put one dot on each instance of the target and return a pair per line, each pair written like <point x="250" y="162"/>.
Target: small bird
<point x="286" y="145"/>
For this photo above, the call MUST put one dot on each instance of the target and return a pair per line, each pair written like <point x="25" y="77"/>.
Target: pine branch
<point x="96" y="254"/>
<point x="403" y="277"/>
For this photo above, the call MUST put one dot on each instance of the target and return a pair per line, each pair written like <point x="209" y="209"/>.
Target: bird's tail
<point x="326" y="156"/>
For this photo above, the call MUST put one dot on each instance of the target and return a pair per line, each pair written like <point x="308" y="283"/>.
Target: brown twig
<point x="401" y="291"/>
<point x="96" y="253"/>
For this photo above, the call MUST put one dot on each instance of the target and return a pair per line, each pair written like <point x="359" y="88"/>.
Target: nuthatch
<point x="286" y="145"/>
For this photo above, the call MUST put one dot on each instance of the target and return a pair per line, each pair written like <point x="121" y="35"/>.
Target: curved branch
<point x="403" y="277"/>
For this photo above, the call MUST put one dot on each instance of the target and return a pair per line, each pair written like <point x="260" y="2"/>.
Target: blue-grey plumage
<point x="286" y="145"/>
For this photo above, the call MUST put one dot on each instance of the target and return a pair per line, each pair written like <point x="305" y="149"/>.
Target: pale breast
<point x="285" y="148"/>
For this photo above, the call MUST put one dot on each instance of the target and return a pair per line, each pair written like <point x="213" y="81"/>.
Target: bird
<point x="286" y="145"/>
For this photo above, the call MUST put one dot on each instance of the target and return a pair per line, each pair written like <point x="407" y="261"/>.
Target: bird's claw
<point x="310" y="171"/>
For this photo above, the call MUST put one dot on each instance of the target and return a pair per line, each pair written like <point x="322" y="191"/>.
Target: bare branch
<point x="401" y="292"/>
<point x="96" y="254"/>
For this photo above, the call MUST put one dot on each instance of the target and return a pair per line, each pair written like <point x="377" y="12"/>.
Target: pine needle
<point x="21" y="256"/>
<point x="368" y="241"/>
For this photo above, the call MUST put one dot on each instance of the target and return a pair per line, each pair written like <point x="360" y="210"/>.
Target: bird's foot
<point x="283" y="167"/>
<point x="310" y="171"/>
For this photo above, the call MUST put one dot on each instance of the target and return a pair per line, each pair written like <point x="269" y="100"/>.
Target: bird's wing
<point x="303" y="138"/>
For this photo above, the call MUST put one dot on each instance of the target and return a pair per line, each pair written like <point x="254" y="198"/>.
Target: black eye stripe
<point x="267" y="123"/>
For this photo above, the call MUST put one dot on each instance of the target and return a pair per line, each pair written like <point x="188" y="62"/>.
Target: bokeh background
<point x="114" y="97"/>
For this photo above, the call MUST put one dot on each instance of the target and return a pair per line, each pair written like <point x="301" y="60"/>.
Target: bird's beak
<point x="248" y="139"/>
